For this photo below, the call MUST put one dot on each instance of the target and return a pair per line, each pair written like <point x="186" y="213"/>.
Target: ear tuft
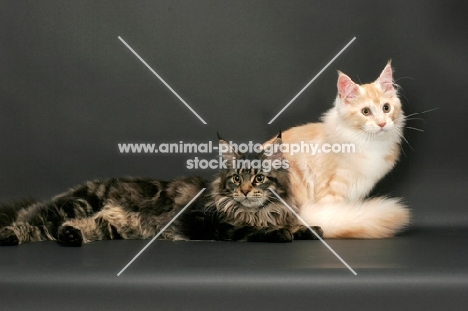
<point x="386" y="79"/>
<point x="347" y="89"/>
<point x="272" y="151"/>
<point x="227" y="151"/>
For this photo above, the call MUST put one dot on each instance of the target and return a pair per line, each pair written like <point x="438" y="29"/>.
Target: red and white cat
<point x="330" y="187"/>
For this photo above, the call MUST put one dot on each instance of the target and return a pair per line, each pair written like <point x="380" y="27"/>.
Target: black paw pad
<point x="70" y="236"/>
<point x="8" y="237"/>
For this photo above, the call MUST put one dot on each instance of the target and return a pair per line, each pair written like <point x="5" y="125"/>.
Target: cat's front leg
<point x="77" y="232"/>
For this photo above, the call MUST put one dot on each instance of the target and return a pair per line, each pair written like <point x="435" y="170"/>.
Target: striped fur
<point x="138" y="208"/>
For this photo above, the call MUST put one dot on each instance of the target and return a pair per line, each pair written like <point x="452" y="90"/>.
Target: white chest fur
<point x="371" y="161"/>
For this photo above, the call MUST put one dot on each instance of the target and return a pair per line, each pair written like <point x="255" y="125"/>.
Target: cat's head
<point x="241" y="190"/>
<point x="373" y="109"/>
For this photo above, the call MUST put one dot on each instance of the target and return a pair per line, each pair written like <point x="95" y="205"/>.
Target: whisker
<point x="419" y="119"/>
<point x="403" y="137"/>
<point x="399" y="133"/>
<point x="403" y="151"/>
<point x="414" y="128"/>
<point x="422" y="112"/>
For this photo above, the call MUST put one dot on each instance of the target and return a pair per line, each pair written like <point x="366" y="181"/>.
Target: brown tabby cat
<point x="237" y="205"/>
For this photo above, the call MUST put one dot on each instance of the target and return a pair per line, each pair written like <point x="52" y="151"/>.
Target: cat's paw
<point x="279" y="236"/>
<point x="8" y="237"/>
<point x="70" y="236"/>
<point x="305" y="233"/>
<point x="317" y="230"/>
<point x="269" y="236"/>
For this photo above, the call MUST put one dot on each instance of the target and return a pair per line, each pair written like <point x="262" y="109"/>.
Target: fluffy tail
<point x="372" y="219"/>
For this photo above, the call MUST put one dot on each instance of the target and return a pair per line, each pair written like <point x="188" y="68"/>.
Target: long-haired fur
<point x="331" y="188"/>
<point x="238" y="205"/>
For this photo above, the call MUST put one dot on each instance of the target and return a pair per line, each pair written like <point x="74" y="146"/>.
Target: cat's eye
<point x="386" y="108"/>
<point x="259" y="178"/>
<point x="236" y="178"/>
<point x="366" y="111"/>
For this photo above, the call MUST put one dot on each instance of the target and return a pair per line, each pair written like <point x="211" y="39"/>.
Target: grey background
<point x="70" y="91"/>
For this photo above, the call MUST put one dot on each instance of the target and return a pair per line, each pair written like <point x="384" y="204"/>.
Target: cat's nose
<point x="245" y="191"/>
<point x="382" y="124"/>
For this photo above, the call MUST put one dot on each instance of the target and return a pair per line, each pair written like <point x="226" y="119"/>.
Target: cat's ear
<point x="227" y="151"/>
<point x="280" y="133"/>
<point x="347" y="89"/>
<point x="385" y="79"/>
<point x="273" y="151"/>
